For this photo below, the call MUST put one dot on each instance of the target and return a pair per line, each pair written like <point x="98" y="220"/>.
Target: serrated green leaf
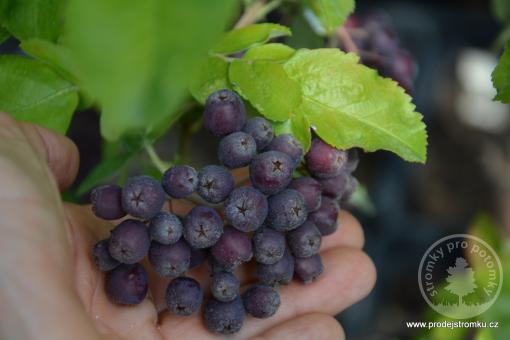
<point x="331" y="13"/>
<point x="212" y="76"/>
<point x="57" y="56"/>
<point x="3" y="35"/>
<point x="501" y="76"/>
<point x="138" y="57"/>
<point x="501" y="9"/>
<point x="297" y="126"/>
<point x="241" y="39"/>
<point x="350" y="105"/>
<point x="27" y="19"/>
<point x="270" y="52"/>
<point x="267" y="86"/>
<point x="32" y="92"/>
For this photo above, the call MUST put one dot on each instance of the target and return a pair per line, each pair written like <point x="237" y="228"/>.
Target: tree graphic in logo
<point x="461" y="279"/>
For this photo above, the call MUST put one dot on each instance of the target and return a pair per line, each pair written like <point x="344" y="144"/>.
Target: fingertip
<point x="349" y="234"/>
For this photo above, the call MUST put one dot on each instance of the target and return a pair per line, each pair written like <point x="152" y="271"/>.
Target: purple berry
<point x="323" y="160"/>
<point x="215" y="183"/>
<point x="287" y="210"/>
<point x="170" y="260"/>
<point x="268" y="245"/>
<point x="180" y="181"/>
<point x="202" y="227"/>
<point x="352" y="160"/>
<point x="232" y="249"/>
<point x="309" y="268"/>
<point x="224" y="113"/>
<point x="261" y="130"/>
<point x="334" y="187"/>
<point x="224" y="317"/>
<point x="237" y="150"/>
<point x="102" y="258"/>
<point x="326" y="218"/>
<point x="246" y="209"/>
<point x="271" y="172"/>
<point x="289" y="145"/>
<point x="310" y="189"/>
<point x="261" y="301"/>
<point x="350" y="188"/>
<point x="165" y="228"/>
<point x="279" y="273"/>
<point x="215" y="267"/>
<point x="305" y="240"/>
<point x="184" y="296"/>
<point x="198" y="256"/>
<point x="142" y="197"/>
<point x="107" y="202"/>
<point x="225" y="286"/>
<point x="127" y="284"/>
<point x="129" y="242"/>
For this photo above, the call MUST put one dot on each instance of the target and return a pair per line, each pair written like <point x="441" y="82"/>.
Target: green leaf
<point x="32" y="92"/>
<point x="350" y="105"/>
<point x="331" y="13"/>
<point x="103" y="172"/>
<point x="501" y="76"/>
<point x="56" y="56"/>
<point x="270" y="52"/>
<point x="501" y="9"/>
<point x="3" y="35"/>
<point x="297" y="126"/>
<point x="243" y="38"/>
<point x="212" y="76"/>
<point x="33" y="19"/>
<point x="138" y="57"/>
<point x="267" y="86"/>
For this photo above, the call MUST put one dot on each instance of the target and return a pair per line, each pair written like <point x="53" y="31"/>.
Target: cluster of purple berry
<point x="378" y="47"/>
<point x="278" y="220"/>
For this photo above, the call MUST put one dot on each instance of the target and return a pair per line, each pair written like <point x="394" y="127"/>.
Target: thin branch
<point x="256" y="12"/>
<point x="346" y="40"/>
<point x="161" y="165"/>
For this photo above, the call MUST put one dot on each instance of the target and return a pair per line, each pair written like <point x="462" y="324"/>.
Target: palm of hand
<point x="54" y="240"/>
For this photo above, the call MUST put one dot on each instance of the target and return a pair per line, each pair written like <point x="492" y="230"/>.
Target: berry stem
<point x="161" y="165"/>
<point x="255" y="12"/>
<point x="346" y="40"/>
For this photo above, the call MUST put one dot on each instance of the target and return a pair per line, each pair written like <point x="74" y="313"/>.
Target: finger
<point x="349" y="276"/>
<point x="59" y="152"/>
<point x="309" y="326"/>
<point x="114" y="321"/>
<point x="349" y="233"/>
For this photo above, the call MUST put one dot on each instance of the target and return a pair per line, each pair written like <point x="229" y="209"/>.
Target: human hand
<point x="49" y="287"/>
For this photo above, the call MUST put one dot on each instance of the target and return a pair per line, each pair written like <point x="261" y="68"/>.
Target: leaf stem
<point x="161" y="165"/>
<point x="255" y="12"/>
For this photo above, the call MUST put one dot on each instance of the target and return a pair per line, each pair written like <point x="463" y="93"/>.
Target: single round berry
<point x="184" y="296"/>
<point x="127" y="284"/>
<point x="142" y="197"/>
<point x="107" y="202"/>
<point x="289" y="145"/>
<point x="198" y="256"/>
<point x="170" y="260"/>
<point x="246" y="209"/>
<point x="287" y="210"/>
<point x="323" y="160"/>
<point x="224" y="113"/>
<point x="224" y="317"/>
<point x="326" y="218"/>
<point x="180" y="181"/>
<point x="311" y="190"/>
<point x="202" y="227"/>
<point x="268" y="245"/>
<point x="279" y="273"/>
<point x="237" y="150"/>
<point x="271" y="172"/>
<point x="225" y="286"/>
<point x="165" y="228"/>
<point x="232" y="249"/>
<point x="215" y="183"/>
<point x="335" y="187"/>
<point x="305" y="240"/>
<point x="261" y="301"/>
<point x="261" y="130"/>
<point x="102" y="258"/>
<point x="309" y="268"/>
<point x="129" y="242"/>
